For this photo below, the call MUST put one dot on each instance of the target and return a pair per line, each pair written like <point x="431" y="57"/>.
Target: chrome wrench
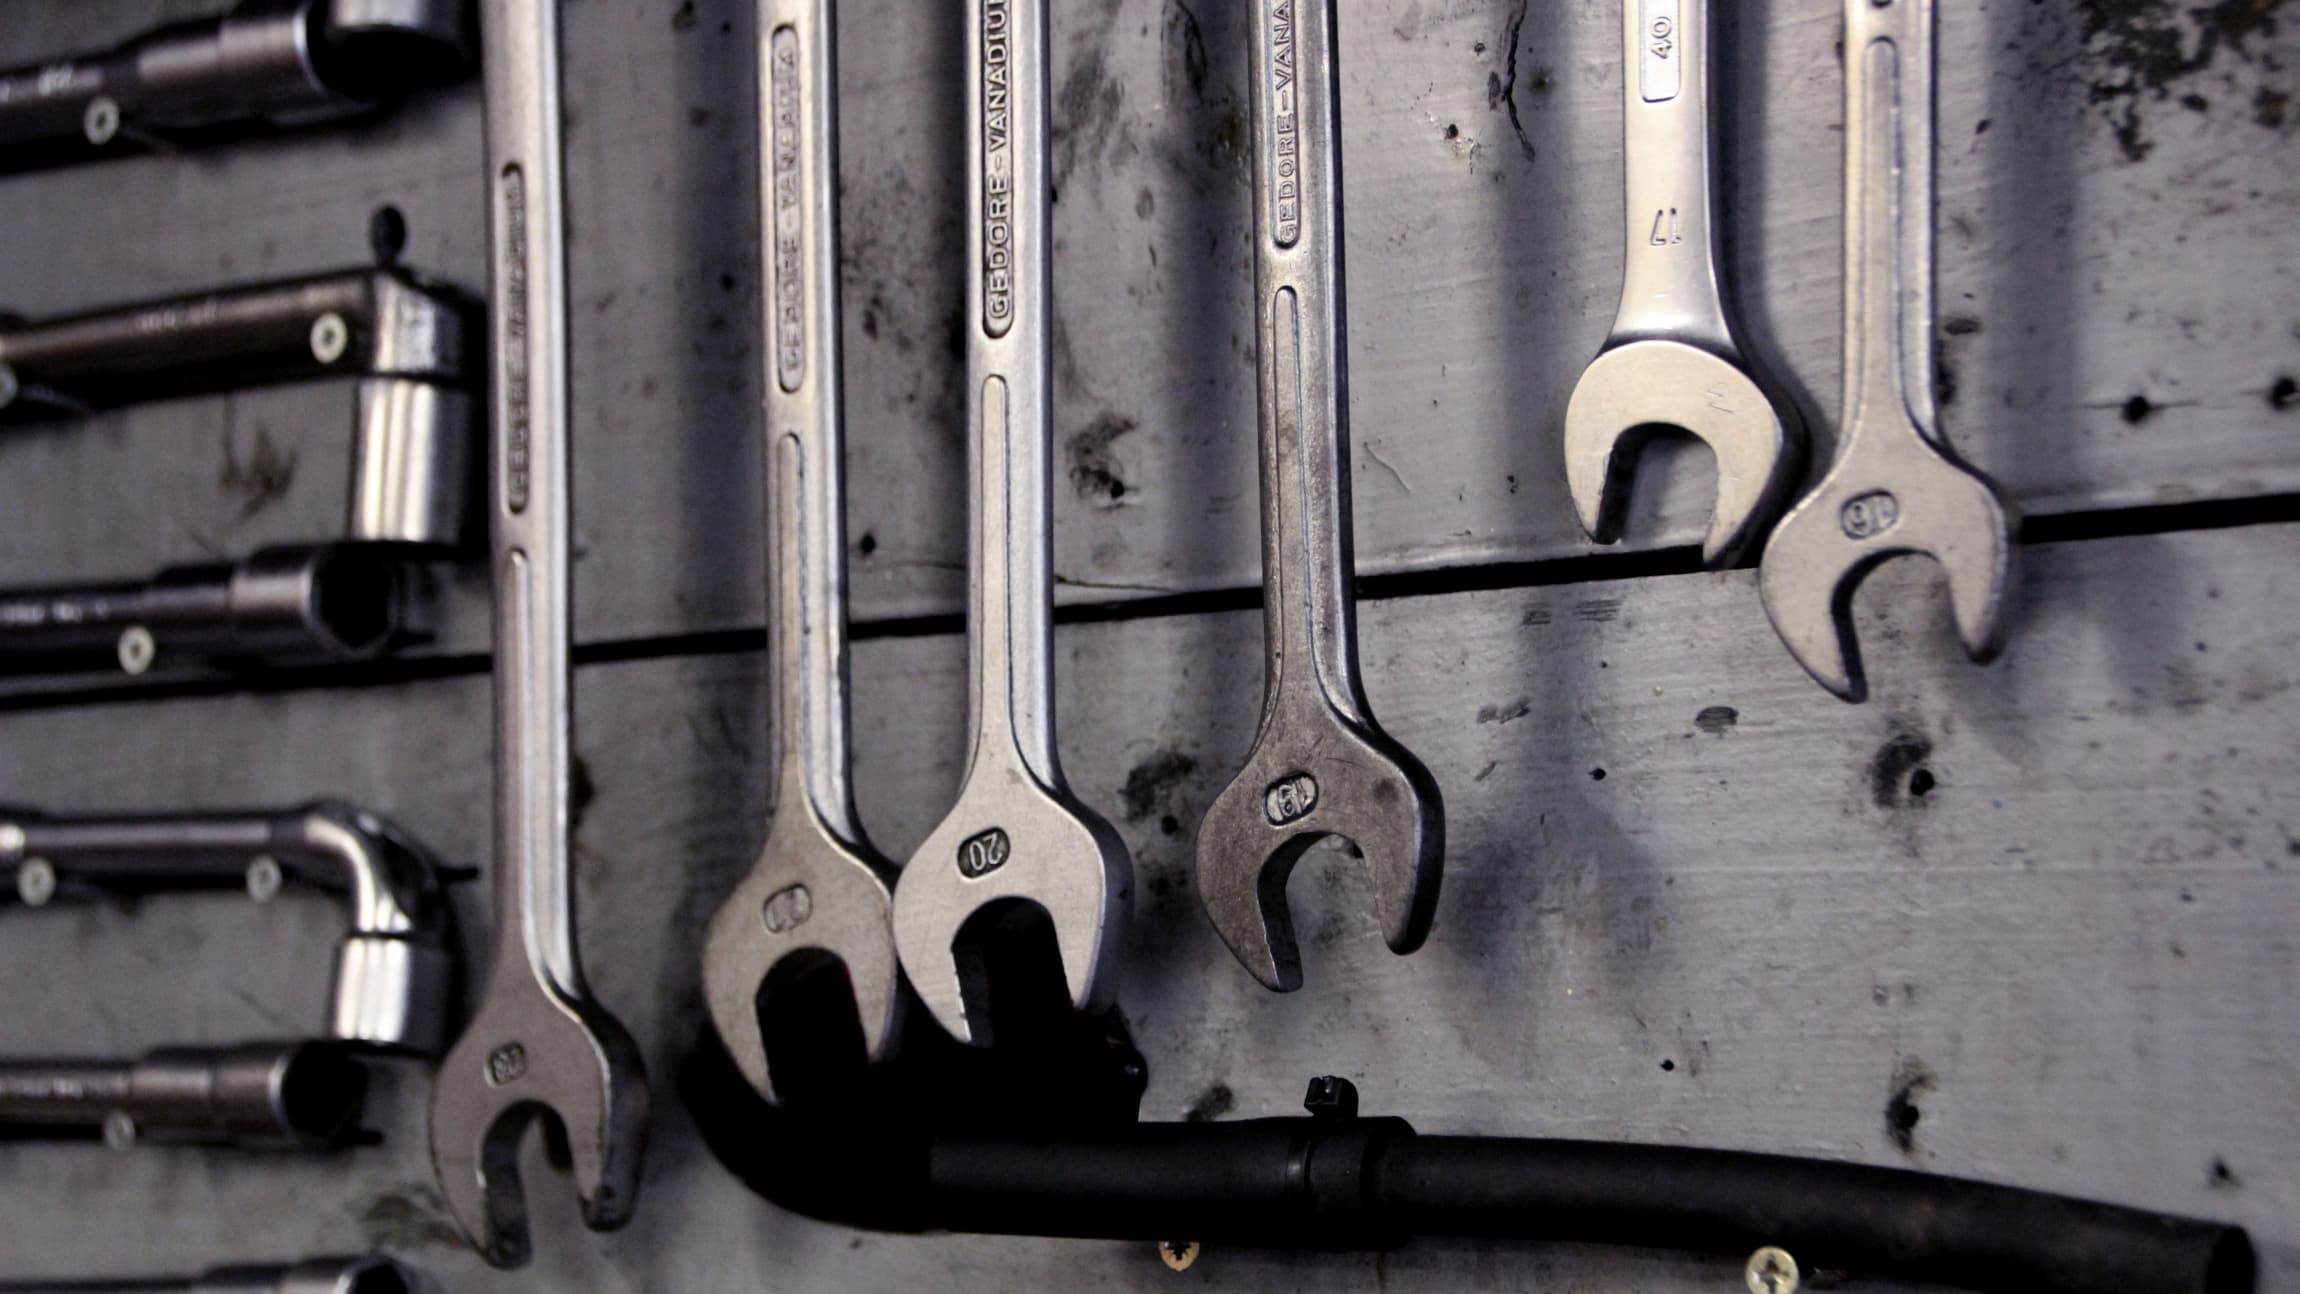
<point x="1017" y="834"/>
<point x="1320" y="765"/>
<point x="1671" y="360"/>
<point x="818" y="891"/>
<point x="1895" y="488"/>
<point x="538" y="1044"/>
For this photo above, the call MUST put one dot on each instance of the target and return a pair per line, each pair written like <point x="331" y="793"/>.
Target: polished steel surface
<point x="265" y="1096"/>
<point x="295" y="603"/>
<point x="406" y="339"/>
<point x="819" y="888"/>
<point x="394" y="965"/>
<point x="1017" y="834"/>
<point x="1896" y="488"/>
<point x="1671" y="360"/>
<point x="539" y="1045"/>
<point x="1320" y="765"/>
<point x="263" y="62"/>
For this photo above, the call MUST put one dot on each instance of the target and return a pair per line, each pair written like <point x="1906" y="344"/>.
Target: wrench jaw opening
<point x="1014" y="841"/>
<point x="1636" y="388"/>
<point x="1347" y="780"/>
<point x="1853" y="523"/>
<point x="800" y="904"/>
<point x="544" y="1058"/>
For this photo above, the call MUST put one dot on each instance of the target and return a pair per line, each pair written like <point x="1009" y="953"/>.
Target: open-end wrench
<point x="1017" y="833"/>
<point x="1320" y="766"/>
<point x="1671" y="360"/>
<point x="1895" y="488"/>
<point x="538" y="1044"/>
<point x="818" y="890"/>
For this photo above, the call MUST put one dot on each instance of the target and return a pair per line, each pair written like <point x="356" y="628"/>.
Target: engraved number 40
<point x="1665" y="228"/>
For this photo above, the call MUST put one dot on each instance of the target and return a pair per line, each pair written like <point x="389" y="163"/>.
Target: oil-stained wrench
<point x="1319" y="767"/>
<point x="1017" y="834"/>
<point x="819" y="891"/>
<point x="1671" y="360"/>
<point x="1895" y="487"/>
<point x="538" y="1044"/>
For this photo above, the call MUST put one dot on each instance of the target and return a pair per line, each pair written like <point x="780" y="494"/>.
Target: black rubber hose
<point x="1888" y="1221"/>
<point x="1276" y="1182"/>
<point x="1337" y="1181"/>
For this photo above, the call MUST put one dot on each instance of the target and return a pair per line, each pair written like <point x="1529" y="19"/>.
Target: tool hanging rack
<point x="967" y="1045"/>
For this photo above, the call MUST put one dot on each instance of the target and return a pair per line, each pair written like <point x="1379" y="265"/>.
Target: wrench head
<point x="1315" y="772"/>
<point x="1632" y="389"/>
<point x="1011" y="838"/>
<point x="809" y="896"/>
<point x="533" y="1052"/>
<point x="1888" y="496"/>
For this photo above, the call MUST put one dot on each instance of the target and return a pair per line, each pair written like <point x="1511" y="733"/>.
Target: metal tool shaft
<point x="1889" y="216"/>
<point x="539" y="1045"/>
<point x="281" y="62"/>
<point x="403" y="338"/>
<point x="357" y="322"/>
<point x="1669" y="281"/>
<point x="534" y="725"/>
<point x="1307" y="562"/>
<point x="819" y="889"/>
<point x="341" y="602"/>
<point x="1671" y="360"/>
<point x="1010" y="625"/>
<point x="1320" y="766"/>
<point x="393" y="968"/>
<point x="807" y="702"/>
<point x="301" y="1095"/>
<point x="1896" y="487"/>
<point x="1017" y="835"/>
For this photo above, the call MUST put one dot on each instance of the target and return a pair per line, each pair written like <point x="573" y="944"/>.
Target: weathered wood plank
<point x="2069" y="943"/>
<point x="2111" y="230"/>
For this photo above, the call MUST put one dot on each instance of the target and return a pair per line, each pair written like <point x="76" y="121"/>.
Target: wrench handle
<point x="1669" y="268"/>
<point x="1889" y="213"/>
<point x="806" y="512"/>
<point x="1304" y="352"/>
<point x="533" y="687"/>
<point x="1010" y="629"/>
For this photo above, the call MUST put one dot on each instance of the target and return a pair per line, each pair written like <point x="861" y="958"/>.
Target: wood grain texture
<point x="2069" y="944"/>
<point x="2116" y="284"/>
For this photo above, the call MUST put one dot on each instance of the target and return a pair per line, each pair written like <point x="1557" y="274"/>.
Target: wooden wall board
<point x="2112" y="186"/>
<point x="2071" y="944"/>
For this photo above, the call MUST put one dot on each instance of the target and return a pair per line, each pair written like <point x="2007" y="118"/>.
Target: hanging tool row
<point x="1017" y="844"/>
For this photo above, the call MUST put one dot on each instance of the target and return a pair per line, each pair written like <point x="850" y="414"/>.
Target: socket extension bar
<point x="409" y="343"/>
<point x="263" y="64"/>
